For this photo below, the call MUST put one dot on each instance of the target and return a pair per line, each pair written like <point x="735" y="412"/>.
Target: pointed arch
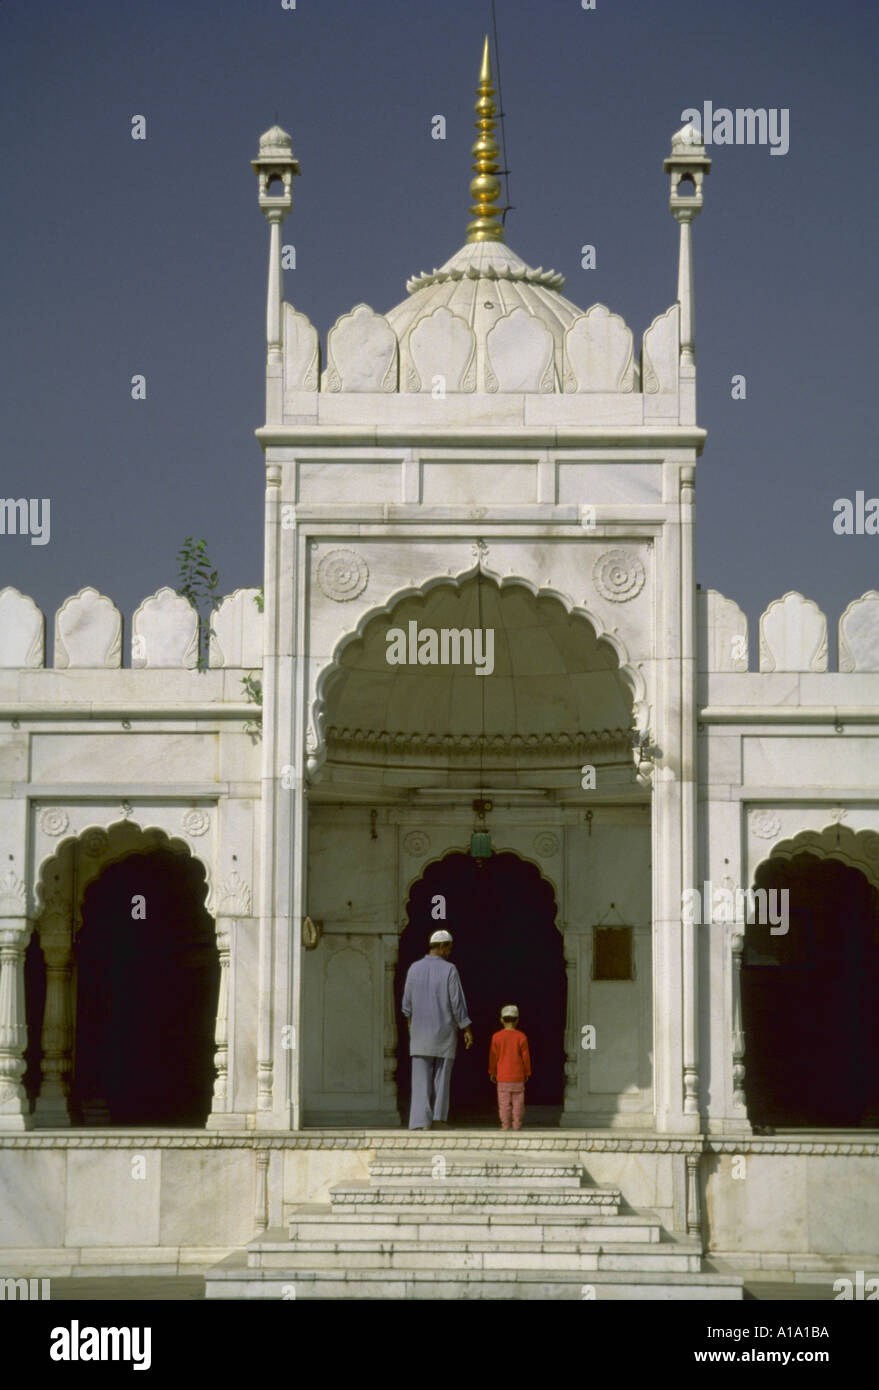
<point x="427" y="865"/>
<point x="631" y="675"/>
<point x="810" y="989"/>
<point x="859" y="849"/>
<point x="111" y="843"/>
<point x="508" y="946"/>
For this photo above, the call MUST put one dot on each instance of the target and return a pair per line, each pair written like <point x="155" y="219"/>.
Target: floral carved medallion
<point x="618" y="575"/>
<point x="342" y="575"/>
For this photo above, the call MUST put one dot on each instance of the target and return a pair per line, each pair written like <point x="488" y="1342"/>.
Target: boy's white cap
<point x="439" y="937"/>
<point x="509" y="1011"/>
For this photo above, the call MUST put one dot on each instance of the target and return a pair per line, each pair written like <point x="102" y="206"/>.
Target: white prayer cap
<point x="509" y="1011"/>
<point x="440" y="937"/>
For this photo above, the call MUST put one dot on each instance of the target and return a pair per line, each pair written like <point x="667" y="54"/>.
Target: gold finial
<point x="485" y="189"/>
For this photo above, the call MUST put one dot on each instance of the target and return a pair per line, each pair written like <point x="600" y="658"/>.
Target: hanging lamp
<point x="480" y="839"/>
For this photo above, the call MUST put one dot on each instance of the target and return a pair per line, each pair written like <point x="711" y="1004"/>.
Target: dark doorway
<point x="508" y="950"/>
<point x="810" y="1000"/>
<point x="146" y="998"/>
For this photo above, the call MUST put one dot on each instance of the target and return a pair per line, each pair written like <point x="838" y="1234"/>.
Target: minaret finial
<point x="485" y="188"/>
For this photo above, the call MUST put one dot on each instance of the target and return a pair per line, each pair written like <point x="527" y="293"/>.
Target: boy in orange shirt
<point x="509" y="1064"/>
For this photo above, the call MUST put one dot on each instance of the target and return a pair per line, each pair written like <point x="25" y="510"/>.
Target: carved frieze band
<point x="586" y="1143"/>
<point x="383" y="744"/>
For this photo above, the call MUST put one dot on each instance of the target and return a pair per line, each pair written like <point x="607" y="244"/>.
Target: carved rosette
<point x="618" y="575"/>
<point x="195" y="822"/>
<point x="54" y="821"/>
<point x="416" y="843"/>
<point x="342" y="575"/>
<point x="766" y="825"/>
<point x="546" y="844"/>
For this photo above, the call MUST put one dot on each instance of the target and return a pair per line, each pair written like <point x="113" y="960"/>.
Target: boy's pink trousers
<point x="511" y="1103"/>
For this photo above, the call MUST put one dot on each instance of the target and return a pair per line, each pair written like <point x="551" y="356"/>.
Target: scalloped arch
<point x="464" y="849"/>
<point x="632" y="676"/>
<point x="114" y="854"/>
<point x="858" y="849"/>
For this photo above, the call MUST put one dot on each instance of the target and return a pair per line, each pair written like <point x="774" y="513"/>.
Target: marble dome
<point x="483" y="282"/>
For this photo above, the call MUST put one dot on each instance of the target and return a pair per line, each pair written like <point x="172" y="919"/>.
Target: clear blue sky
<point x="123" y="256"/>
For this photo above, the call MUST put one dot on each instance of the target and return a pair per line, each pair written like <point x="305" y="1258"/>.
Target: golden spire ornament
<point x="485" y="189"/>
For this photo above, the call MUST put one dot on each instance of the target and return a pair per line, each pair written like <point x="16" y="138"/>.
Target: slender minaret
<point x="687" y="164"/>
<point x="485" y="188"/>
<point x="275" y="167"/>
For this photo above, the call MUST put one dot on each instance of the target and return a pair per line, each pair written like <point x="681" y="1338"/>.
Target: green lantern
<point x="480" y="844"/>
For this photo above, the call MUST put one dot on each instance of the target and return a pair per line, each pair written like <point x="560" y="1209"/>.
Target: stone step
<point x="439" y="1196"/>
<point x="568" y="1182"/>
<point x="486" y="1255"/>
<point x="231" y="1279"/>
<point x="319" y="1223"/>
<point x="484" y="1161"/>
<point x="474" y="1172"/>
<point x="452" y="1209"/>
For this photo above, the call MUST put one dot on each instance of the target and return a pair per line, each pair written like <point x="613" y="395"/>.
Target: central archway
<point x="508" y="950"/>
<point x="434" y="709"/>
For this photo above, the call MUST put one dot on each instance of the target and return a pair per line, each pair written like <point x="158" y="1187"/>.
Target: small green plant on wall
<point x="198" y="581"/>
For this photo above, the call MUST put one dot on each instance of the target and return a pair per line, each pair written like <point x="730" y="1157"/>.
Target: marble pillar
<point x="14" y="1107"/>
<point x="52" y="1110"/>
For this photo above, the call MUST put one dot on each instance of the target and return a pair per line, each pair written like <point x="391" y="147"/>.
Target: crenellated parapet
<point x="491" y="336"/>
<point x="164" y="632"/>
<point x="792" y="635"/>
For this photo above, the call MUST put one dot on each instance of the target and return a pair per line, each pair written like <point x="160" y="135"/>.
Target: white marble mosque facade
<point x="488" y="437"/>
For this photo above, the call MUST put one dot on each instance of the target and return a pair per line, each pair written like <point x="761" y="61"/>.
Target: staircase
<point x="460" y="1223"/>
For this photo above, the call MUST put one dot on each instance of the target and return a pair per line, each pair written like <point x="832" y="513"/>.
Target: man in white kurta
<point x="434" y="1004"/>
